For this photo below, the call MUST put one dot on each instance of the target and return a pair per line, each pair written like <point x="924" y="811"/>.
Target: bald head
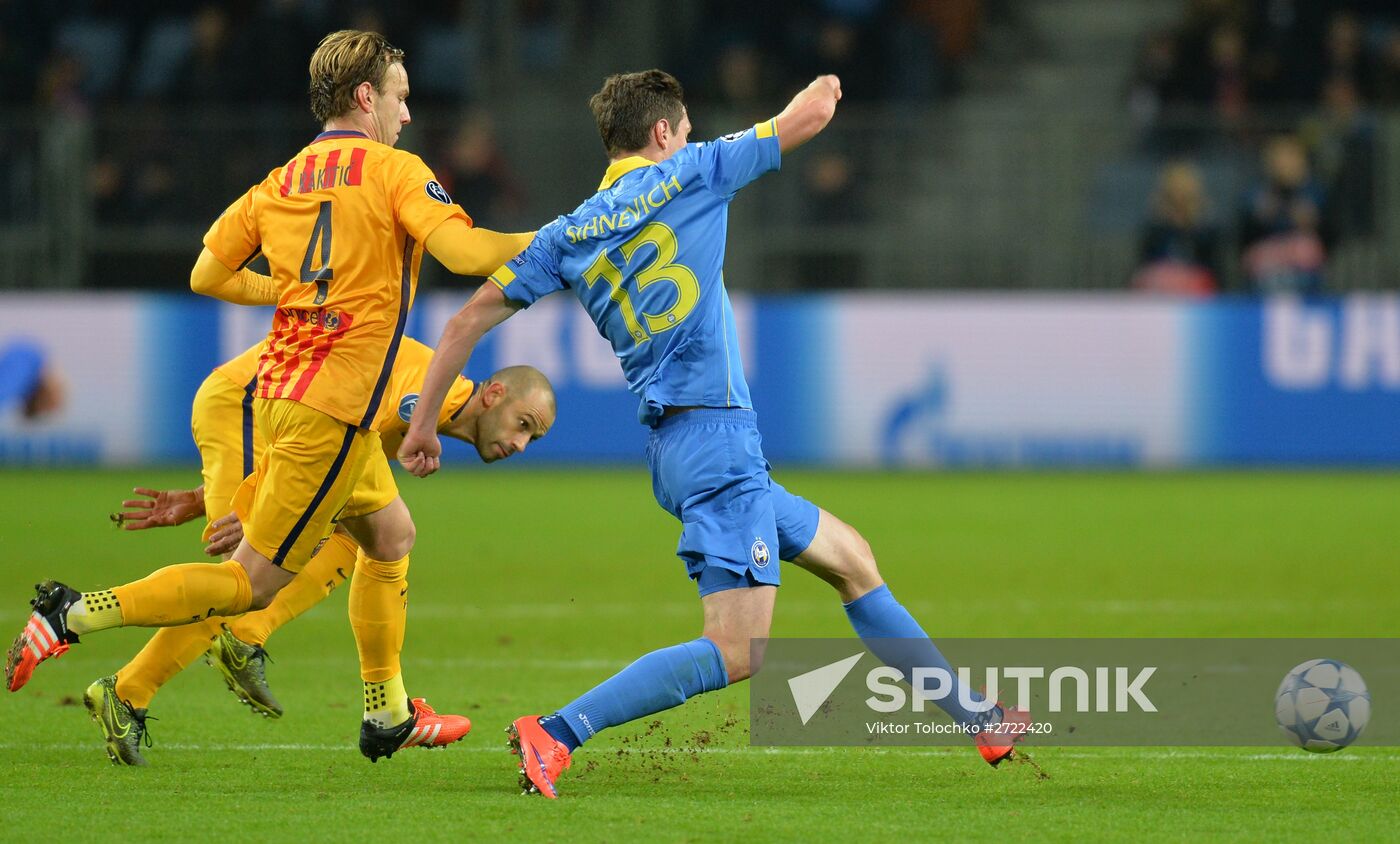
<point x="527" y="382"/>
<point x="508" y="411"/>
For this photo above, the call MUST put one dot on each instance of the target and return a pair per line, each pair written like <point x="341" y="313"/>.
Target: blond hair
<point x="342" y="61"/>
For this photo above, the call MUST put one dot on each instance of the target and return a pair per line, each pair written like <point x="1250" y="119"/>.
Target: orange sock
<point x="168" y="653"/>
<point x="322" y="574"/>
<point x="185" y="593"/>
<point x="378" y="613"/>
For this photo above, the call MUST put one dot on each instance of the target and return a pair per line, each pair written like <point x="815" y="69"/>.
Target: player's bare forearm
<point x="471" y="251"/>
<point x="808" y="113"/>
<point x="241" y="287"/>
<point x="487" y="308"/>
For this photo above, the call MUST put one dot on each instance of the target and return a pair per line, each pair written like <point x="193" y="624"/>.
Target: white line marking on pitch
<point x="1050" y="753"/>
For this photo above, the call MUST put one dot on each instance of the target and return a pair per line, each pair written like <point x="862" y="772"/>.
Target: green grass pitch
<point x="529" y="586"/>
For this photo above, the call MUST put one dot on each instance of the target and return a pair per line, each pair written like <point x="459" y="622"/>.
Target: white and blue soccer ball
<point x="1322" y="705"/>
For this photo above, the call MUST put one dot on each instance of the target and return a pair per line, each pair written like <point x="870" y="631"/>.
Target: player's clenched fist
<point x="420" y="453"/>
<point x="831" y="81"/>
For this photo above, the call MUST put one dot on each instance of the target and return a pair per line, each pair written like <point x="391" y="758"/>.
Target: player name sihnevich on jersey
<point x="641" y="205"/>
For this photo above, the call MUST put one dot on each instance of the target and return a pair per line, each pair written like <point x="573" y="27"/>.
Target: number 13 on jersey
<point x="661" y="267"/>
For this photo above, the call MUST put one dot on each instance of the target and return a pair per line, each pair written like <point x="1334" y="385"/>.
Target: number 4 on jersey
<point x="320" y="233"/>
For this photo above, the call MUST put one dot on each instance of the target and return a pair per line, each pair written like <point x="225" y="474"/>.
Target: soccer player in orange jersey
<point x="493" y="416"/>
<point x="343" y="226"/>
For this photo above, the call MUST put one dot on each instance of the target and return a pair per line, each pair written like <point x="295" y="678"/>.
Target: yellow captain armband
<point x="767" y="129"/>
<point x="502" y="277"/>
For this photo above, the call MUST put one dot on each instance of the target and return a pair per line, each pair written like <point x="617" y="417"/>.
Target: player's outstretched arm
<point x="808" y="113"/>
<point x="471" y="251"/>
<point x="241" y="287"/>
<point x="163" y="508"/>
<point x="421" y="452"/>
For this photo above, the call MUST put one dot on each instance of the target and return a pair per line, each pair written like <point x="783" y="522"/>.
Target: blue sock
<point x="877" y="617"/>
<point x="660" y="680"/>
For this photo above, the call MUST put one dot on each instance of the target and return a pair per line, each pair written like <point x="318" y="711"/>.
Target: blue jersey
<point x="645" y="256"/>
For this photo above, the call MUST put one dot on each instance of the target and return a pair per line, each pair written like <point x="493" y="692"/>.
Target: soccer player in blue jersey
<point x="644" y="256"/>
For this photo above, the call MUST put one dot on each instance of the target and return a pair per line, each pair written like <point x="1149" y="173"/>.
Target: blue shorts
<point x="707" y="469"/>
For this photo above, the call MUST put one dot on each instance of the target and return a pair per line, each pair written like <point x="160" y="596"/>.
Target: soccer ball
<point x="1322" y="705"/>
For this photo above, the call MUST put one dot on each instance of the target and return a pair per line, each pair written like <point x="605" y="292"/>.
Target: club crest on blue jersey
<point x="759" y="552"/>
<point x="435" y="190"/>
<point x="406" y="405"/>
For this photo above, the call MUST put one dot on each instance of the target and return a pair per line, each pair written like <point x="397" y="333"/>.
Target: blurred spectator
<point x="152" y="197"/>
<point x="847" y="47"/>
<point x="1202" y="42"/>
<point x="105" y="185"/>
<point x="935" y="38"/>
<point x="1286" y="50"/>
<point x="1284" y="231"/>
<point x="18" y="58"/>
<point x="478" y="175"/>
<point x="543" y="41"/>
<point x="831" y="190"/>
<point x="60" y="85"/>
<point x="1222" y="82"/>
<point x="1388" y="71"/>
<point x="213" y="72"/>
<point x="831" y="198"/>
<point x="739" y="79"/>
<point x="839" y="48"/>
<point x="282" y="36"/>
<point x="1154" y="84"/>
<point x="1180" y="250"/>
<point x="1346" y="56"/>
<point x="1343" y="140"/>
<point x="956" y="21"/>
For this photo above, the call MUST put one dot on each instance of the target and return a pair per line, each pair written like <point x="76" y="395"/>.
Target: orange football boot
<point x="425" y="728"/>
<point x="45" y="634"/>
<point x="542" y="757"/>
<point x="996" y="740"/>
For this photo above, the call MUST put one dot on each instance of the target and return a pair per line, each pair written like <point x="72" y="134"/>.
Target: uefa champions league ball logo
<point x="1322" y="705"/>
<point x="406" y="405"/>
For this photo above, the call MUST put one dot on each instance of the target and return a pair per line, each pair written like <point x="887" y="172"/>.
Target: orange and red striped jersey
<point x="400" y="396"/>
<point x="342" y="226"/>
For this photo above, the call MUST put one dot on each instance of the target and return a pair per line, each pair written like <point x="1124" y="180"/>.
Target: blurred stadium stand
<point x="983" y="144"/>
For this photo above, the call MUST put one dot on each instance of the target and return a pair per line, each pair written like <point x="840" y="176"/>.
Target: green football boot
<point x="242" y="666"/>
<point x="123" y="725"/>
